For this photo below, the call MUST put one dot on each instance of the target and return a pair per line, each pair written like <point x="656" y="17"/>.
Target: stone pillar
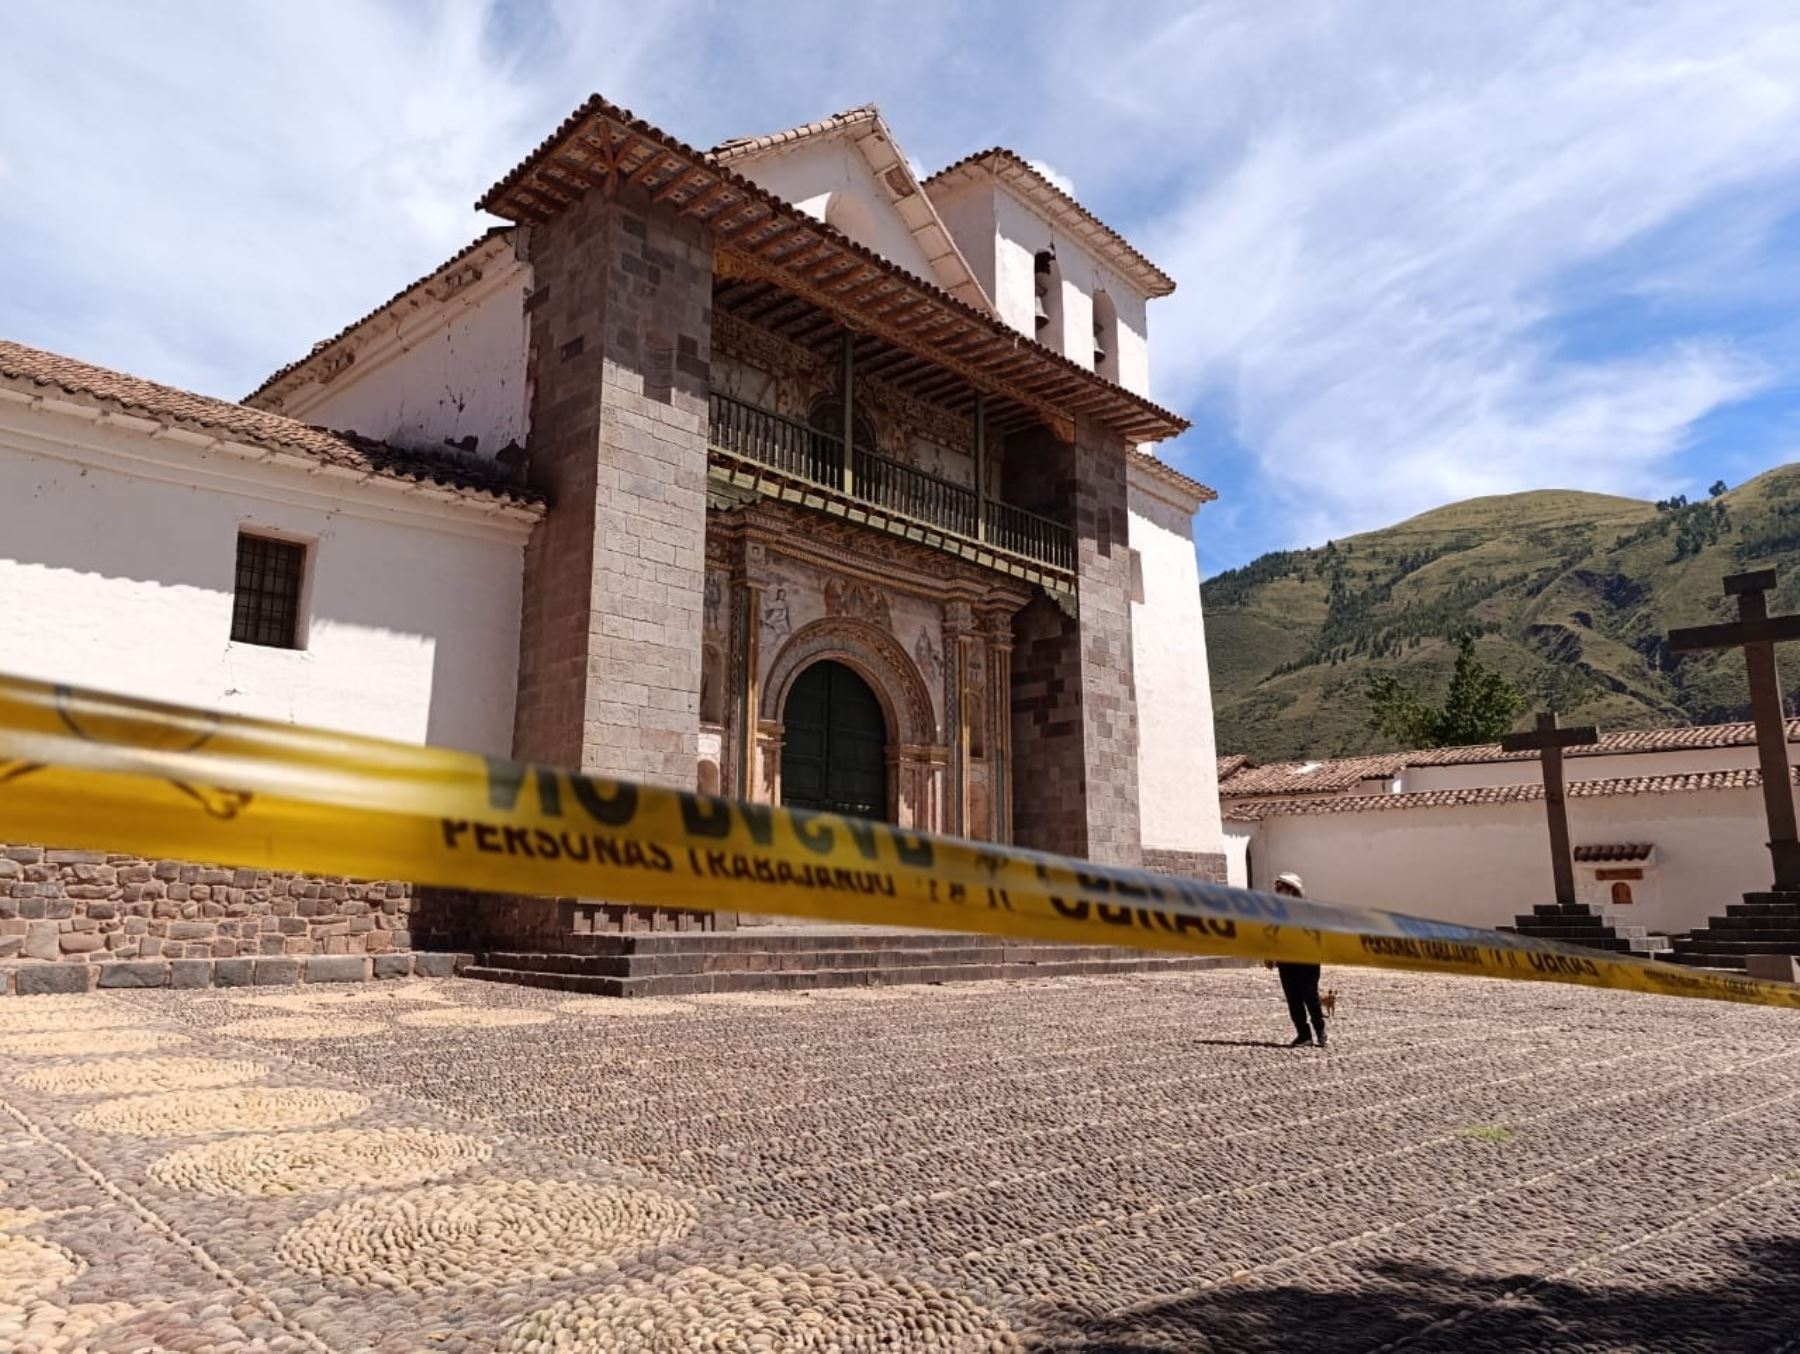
<point x="612" y="623"/>
<point x="610" y="642"/>
<point x="1074" y="752"/>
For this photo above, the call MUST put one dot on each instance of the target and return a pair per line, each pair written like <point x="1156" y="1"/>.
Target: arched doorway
<point x="834" y="744"/>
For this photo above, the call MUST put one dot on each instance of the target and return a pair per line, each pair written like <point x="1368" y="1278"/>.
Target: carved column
<point x="999" y="715"/>
<point x="959" y="621"/>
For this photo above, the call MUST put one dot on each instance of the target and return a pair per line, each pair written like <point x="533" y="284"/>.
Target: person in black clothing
<point x="1300" y="982"/>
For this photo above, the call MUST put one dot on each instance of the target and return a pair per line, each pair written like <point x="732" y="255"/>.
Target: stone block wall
<point x="1075" y="728"/>
<point x="91" y="907"/>
<point x="1203" y="865"/>
<point x="610" y="645"/>
<point x="1108" y="681"/>
<point x="462" y="921"/>
<point x="1049" y="784"/>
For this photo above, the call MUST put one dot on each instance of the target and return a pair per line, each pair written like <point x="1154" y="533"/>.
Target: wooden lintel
<point x="654" y="161"/>
<point x="832" y="265"/>
<point x="706" y="196"/>
<point x="580" y="169"/>
<point x="609" y="149"/>
<point x="667" y="188"/>
<point x="728" y="233"/>
<point x="775" y="237"/>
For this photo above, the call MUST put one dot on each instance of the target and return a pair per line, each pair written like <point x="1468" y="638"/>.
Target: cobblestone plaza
<point x="1120" y="1164"/>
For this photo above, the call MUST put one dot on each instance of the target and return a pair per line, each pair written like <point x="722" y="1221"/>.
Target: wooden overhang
<point x="760" y="238"/>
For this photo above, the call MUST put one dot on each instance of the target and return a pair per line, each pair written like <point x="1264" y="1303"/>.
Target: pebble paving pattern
<point x="484" y="1234"/>
<point x="183" y="1114"/>
<point x="315" y="1163"/>
<point x="1124" y="1164"/>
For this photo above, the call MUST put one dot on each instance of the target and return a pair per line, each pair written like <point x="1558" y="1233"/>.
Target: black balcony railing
<point x="802" y="452"/>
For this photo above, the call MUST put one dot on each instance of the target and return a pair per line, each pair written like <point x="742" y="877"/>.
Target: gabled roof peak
<point x="750" y="145"/>
<point x="1013" y="169"/>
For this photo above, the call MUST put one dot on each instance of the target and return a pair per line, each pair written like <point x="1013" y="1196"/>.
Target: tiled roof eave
<point x="601" y="144"/>
<point x="1739" y="778"/>
<point x="51" y="380"/>
<point x="1284" y="778"/>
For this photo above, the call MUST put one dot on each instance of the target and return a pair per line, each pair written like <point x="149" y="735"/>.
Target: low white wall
<point x="124" y="582"/>
<point x="1485" y="864"/>
<point x="1178" y="783"/>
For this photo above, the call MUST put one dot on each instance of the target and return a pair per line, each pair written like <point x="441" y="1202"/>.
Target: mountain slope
<point x="1571" y="594"/>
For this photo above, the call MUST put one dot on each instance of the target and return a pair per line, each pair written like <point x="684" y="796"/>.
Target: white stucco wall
<point x="122" y="579"/>
<point x="817" y="176"/>
<point x="967" y="211"/>
<point x="1178" y="787"/>
<point x="437" y="372"/>
<point x="1635" y="764"/>
<point x="1020" y="232"/>
<point x="1485" y="864"/>
<point x="1238" y="839"/>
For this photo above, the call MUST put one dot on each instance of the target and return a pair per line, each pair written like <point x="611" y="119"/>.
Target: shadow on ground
<point x="1749" y="1303"/>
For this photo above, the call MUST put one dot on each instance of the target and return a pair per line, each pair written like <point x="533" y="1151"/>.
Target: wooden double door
<point x="834" y="744"/>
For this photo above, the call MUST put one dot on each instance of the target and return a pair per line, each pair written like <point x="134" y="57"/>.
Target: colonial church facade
<point x="771" y="469"/>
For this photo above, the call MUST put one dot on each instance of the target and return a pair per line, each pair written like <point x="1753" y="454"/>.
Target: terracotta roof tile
<point x="1292" y="778"/>
<point x="1315" y="777"/>
<point x="325" y="345"/>
<point x="533" y="188"/>
<point x="1170" y="475"/>
<point x="23" y="368"/>
<point x="1743" y="778"/>
<point x="1230" y="765"/>
<point x="1011" y="167"/>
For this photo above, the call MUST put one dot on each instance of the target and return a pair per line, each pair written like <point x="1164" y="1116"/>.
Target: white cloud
<point x="1379" y="212"/>
<point x="1374" y="265"/>
<point x="1055" y="175"/>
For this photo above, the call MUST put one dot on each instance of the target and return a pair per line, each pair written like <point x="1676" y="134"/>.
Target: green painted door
<point x="834" y="745"/>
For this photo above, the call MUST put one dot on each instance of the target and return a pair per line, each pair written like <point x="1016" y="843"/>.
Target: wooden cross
<point x="1757" y="633"/>
<point x="1550" y="740"/>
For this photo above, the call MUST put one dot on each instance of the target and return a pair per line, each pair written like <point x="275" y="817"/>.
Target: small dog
<point x="1328" y="1002"/>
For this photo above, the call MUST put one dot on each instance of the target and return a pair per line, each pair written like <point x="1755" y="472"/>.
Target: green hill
<point x="1570" y="593"/>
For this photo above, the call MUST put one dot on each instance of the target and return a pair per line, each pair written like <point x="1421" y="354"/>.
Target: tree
<point x="1479" y="706"/>
<point x="1718" y="487"/>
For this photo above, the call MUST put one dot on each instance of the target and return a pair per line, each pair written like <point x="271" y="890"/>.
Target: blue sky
<point x="1424" y="251"/>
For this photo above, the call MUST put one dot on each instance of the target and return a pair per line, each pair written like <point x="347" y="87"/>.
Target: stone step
<point x="1754" y="926"/>
<point x="824" y="959"/>
<point x="1716" y="944"/>
<point x="1592" y="940"/>
<point x="800" y="980"/>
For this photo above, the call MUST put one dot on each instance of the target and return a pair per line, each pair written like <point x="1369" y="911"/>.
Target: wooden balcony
<point x="781" y="457"/>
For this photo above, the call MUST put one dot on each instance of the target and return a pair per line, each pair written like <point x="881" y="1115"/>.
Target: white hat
<point x="1292" y="880"/>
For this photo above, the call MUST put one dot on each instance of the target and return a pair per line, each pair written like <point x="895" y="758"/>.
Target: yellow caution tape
<point x="85" y="770"/>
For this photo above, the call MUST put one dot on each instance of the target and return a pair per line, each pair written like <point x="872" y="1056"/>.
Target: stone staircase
<point x="783" y="959"/>
<point x="1764" y="923"/>
<point x="1597" y="928"/>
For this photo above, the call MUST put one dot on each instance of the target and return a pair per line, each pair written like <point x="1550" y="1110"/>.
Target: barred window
<point x="266" y="608"/>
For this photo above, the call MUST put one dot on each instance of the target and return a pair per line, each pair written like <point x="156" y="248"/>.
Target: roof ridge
<point x="1164" y="284"/>
<point x="518" y="193"/>
<point x="1734" y="778"/>
<point x="1283" y="778"/>
<point x="491" y="233"/>
<point x="746" y="145"/>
